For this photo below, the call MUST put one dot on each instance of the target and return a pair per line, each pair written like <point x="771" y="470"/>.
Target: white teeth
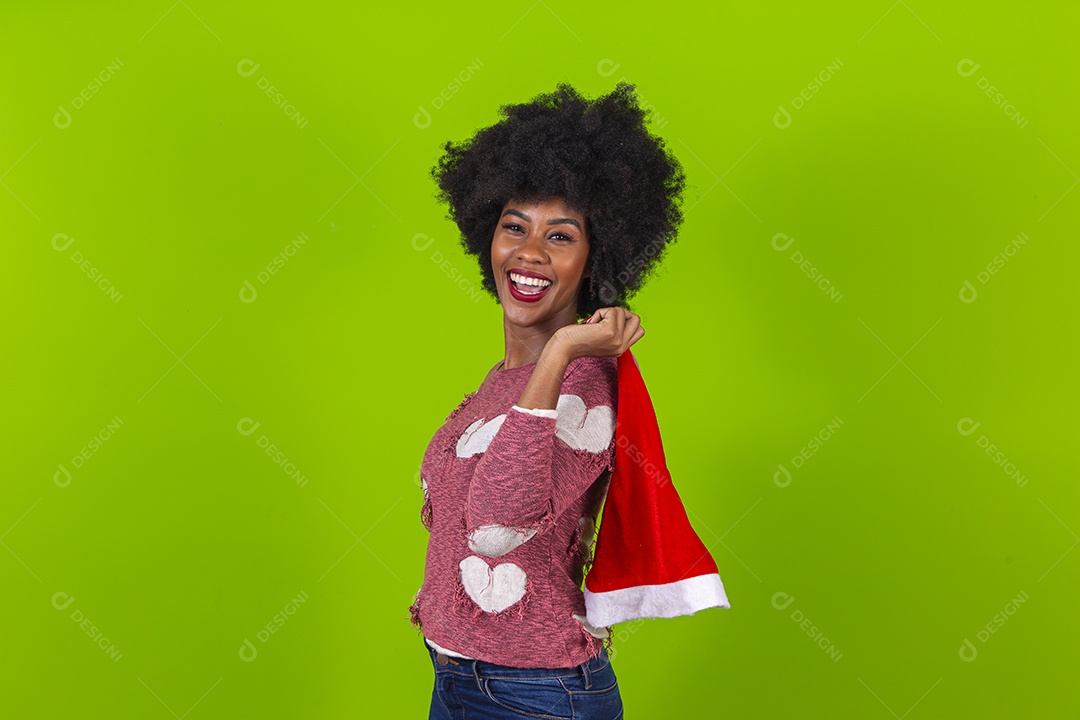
<point x="522" y="280"/>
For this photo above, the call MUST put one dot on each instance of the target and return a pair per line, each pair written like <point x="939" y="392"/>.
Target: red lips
<point x="523" y="297"/>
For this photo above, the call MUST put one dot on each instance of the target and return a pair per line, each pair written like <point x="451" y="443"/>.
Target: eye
<point x="513" y="227"/>
<point x="561" y="236"/>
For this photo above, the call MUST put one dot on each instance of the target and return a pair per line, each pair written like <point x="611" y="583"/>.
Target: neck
<point x="524" y="344"/>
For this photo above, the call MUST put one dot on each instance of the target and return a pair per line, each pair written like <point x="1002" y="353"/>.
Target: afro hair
<point x="599" y="157"/>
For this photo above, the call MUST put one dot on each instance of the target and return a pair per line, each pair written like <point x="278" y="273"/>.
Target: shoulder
<point x="592" y="364"/>
<point x="594" y="378"/>
<point x="592" y="367"/>
<point x="490" y="372"/>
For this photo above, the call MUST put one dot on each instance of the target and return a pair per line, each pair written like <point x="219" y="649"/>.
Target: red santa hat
<point x="648" y="562"/>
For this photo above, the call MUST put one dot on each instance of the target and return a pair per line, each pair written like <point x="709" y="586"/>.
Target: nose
<point x="532" y="249"/>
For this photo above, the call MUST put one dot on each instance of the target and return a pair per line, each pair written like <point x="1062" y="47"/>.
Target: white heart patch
<point x="584" y="428"/>
<point x="478" y="436"/>
<point x="495" y="589"/>
<point x="497" y="540"/>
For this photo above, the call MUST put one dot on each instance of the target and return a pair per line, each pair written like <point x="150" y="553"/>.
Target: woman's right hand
<point x="607" y="333"/>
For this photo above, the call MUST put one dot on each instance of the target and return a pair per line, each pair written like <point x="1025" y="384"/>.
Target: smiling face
<point x="538" y="255"/>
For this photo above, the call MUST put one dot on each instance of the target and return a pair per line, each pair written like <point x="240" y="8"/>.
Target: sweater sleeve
<point x="542" y="460"/>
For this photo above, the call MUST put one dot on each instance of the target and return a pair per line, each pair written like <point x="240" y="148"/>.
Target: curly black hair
<point x="599" y="157"/>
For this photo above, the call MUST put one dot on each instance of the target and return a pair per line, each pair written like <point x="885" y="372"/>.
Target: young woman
<point x="567" y="205"/>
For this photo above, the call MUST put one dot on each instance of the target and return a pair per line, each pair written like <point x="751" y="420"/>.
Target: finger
<point x="619" y="315"/>
<point x="638" y="334"/>
<point x="630" y="333"/>
<point x="633" y="323"/>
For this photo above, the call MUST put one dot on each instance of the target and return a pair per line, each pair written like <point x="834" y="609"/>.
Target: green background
<point x="896" y="539"/>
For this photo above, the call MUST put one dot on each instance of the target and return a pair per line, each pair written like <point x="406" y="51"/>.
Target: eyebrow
<point x="553" y="221"/>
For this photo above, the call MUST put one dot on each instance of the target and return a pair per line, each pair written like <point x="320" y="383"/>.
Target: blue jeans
<point x="478" y="690"/>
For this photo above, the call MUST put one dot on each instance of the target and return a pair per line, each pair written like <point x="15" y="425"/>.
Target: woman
<point x="567" y="204"/>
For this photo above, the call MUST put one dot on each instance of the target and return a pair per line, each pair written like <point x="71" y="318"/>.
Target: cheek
<point x="499" y="250"/>
<point x="496" y="257"/>
<point x="575" y="266"/>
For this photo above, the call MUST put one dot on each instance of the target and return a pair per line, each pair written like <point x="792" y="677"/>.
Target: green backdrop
<point x="234" y="315"/>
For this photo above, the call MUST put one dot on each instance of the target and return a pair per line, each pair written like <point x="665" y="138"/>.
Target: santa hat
<point x="648" y="562"/>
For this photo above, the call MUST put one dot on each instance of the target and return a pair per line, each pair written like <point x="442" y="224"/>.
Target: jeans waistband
<point x="482" y="668"/>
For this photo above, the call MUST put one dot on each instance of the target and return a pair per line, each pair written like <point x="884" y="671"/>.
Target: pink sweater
<point x="510" y="500"/>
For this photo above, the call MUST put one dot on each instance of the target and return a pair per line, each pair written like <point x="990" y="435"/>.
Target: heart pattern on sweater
<point x="580" y="427"/>
<point x="584" y="428"/>
<point x="493" y="589"/>
<point x="497" y="540"/>
<point x="478" y="436"/>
